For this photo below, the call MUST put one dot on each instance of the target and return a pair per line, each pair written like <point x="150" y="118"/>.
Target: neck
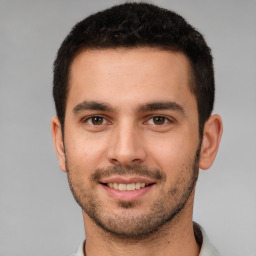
<point x="174" y="238"/>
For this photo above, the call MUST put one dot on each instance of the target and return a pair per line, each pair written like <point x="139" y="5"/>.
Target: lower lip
<point x="127" y="195"/>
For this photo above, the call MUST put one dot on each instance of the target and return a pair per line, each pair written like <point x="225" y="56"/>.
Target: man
<point x="134" y="92"/>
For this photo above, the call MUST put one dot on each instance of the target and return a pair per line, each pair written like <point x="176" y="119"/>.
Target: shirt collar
<point x="207" y="249"/>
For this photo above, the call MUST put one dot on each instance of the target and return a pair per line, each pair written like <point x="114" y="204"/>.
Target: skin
<point x="126" y="131"/>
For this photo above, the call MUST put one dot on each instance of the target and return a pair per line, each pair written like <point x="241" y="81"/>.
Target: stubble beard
<point x="126" y="225"/>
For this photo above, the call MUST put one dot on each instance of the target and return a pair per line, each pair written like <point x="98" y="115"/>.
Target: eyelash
<point x="90" y="119"/>
<point x="163" y="120"/>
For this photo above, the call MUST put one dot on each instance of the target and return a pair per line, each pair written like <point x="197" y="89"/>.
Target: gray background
<point x="38" y="215"/>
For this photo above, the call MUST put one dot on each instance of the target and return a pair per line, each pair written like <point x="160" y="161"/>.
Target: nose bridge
<point x="126" y="145"/>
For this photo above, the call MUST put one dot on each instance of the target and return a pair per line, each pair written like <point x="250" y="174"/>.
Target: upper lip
<point x="127" y="180"/>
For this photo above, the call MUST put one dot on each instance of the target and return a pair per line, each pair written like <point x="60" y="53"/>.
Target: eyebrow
<point x="154" y="106"/>
<point x="92" y="105"/>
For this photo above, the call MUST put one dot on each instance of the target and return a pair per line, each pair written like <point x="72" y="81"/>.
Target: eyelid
<point x="167" y="119"/>
<point x="88" y="118"/>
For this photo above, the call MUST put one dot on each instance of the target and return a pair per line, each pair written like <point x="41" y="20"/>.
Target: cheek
<point x="166" y="149"/>
<point x="83" y="153"/>
<point x="173" y="153"/>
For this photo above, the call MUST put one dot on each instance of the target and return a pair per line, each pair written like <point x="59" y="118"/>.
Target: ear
<point x="211" y="139"/>
<point x="58" y="142"/>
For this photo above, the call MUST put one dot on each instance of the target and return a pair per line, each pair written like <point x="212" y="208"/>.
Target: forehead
<point x="130" y="75"/>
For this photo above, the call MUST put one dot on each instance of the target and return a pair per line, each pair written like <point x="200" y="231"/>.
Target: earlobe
<point x="58" y="142"/>
<point x="210" y="142"/>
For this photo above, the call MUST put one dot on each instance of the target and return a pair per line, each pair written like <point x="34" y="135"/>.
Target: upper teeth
<point x="131" y="186"/>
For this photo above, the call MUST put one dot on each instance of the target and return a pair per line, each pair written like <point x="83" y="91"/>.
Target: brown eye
<point x="159" y="120"/>
<point x="97" y="120"/>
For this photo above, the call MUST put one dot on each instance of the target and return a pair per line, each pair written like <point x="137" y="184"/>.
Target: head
<point x="134" y="91"/>
<point x="135" y="25"/>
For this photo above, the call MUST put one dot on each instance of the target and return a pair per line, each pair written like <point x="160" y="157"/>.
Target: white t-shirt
<point x="207" y="249"/>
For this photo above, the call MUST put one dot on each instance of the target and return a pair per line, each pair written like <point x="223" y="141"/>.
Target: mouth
<point x="127" y="187"/>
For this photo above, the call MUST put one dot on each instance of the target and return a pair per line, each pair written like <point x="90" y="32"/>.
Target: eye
<point x="95" y="120"/>
<point x="158" y="120"/>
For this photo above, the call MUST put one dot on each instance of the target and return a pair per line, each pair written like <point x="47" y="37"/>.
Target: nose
<point x="126" y="146"/>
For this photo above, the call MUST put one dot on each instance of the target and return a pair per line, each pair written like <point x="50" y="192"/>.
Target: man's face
<point x="131" y="137"/>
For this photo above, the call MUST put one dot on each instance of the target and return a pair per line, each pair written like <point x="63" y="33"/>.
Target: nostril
<point x="114" y="161"/>
<point x="136" y="161"/>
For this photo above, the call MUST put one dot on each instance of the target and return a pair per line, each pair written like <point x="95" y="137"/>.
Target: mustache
<point x="134" y="169"/>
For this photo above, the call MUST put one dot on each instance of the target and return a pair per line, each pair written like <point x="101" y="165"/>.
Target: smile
<point x="127" y="187"/>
